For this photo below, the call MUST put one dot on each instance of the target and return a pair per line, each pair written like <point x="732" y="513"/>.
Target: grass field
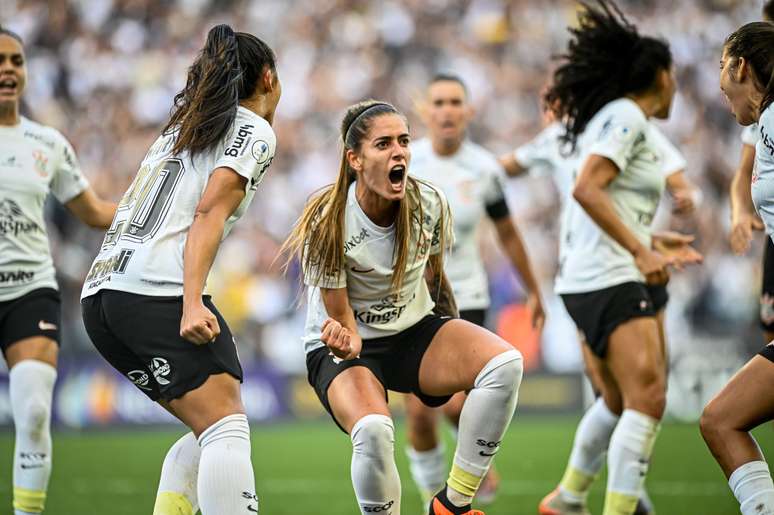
<point x="303" y="469"/>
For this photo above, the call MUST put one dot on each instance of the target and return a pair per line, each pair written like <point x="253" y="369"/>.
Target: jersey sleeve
<point x="624" y="128"/>
<point x="313" y="278"/>
<point x="672" y="160"/>
<point x="536" y="155"/>
<point x="249" y="149"/>
<point x="750" y="135"/>
<point x="67" y="180"/>
<point x="494" y="194"/>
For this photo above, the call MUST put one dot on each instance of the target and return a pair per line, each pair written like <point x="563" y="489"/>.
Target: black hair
<point x="755" y="42"/>
<point x="606" y="59"/>
<point x="768" y="10"/>
<point x="448" y="77"/>
<point x="226" y="71"/>
<point x="7" y="32"/>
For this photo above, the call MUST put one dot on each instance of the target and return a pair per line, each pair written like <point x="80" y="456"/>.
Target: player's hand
<point x="742" y="228"/>
<point x="537" y="313"/>
<point x="682" y="202"/>
<point x="677" y="246"/>
<point x="343" y="343"/>
<point x="198" y="324"/>
<point x="652" y="265"/>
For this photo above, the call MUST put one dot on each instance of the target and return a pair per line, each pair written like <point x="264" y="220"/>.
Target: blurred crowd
<point x="104" y="73"/>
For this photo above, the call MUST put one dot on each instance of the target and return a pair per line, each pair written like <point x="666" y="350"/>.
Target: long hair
<point x="317" y="239"/>
<point x="755" y="42"/>
<point x="606" y="59"/>
<point x="768" y="10"/>
<point x="226" y="71"/>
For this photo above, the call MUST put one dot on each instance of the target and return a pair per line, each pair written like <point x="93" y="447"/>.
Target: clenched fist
<point x="343" y="343"/>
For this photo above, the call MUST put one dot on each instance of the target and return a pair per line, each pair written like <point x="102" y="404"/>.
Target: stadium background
<point x="104" y="72"/>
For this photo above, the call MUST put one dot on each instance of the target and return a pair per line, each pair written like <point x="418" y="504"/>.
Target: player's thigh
<point x="30" y="327"/>
<point x="39" y="348"/>
<point x="747" y="400"/>
<point x="635" y="356"/>
<point x="456" y="355"/>
<point x="355" y="393"/>
<point x="218" y="397"/>
<point x="602" y="380"/>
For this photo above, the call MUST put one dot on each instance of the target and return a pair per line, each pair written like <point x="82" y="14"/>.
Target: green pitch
<point x="303" y="469"/>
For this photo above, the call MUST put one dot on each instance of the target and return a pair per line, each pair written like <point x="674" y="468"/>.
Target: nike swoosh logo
<point x="355" y="269"/>
<point x="46" y="326"/>
<point x="252" y="509"/>
<point x="31" y="466"/>
<point x="482" y="453"/>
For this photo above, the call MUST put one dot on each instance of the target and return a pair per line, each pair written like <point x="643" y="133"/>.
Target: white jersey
<point x="750" y="135"/>
<point x="368" y="259"/>
<point x="34" y="160"/>
<point x="544" y="155"/>
<point x="763" y="170"/>
<point x="142" y="251"/>
<point x="672" y="160"/>
<point x="589" y="258"/>
<point x="471" y="179"/>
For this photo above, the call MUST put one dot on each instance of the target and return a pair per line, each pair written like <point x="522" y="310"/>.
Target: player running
<point x="746" y="71"/>
<point x="470" y="177"/>
<point x="611" y="280"/>
<point x="381" y="315"/>
<point x="145" y="305"/>
<point x="744" y="219"/>
<point x="35" y="160"/>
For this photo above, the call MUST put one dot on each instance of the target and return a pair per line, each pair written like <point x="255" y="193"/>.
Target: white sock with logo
<point x="31" y="385"/>
<point x="176" y="494"/>
<point x="753" y="488"/>
<point x="374" y="473"/>
<point x="429" y="469"/>
<point x="226" y="483"/>
<point x="485" y="416"/>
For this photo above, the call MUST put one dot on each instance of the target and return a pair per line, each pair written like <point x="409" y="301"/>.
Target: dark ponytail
<point x="768" y="10"/>
<point x="225" y="72"/>
<point x="6" y="32"/>
<point x="755" y="42"/>
<point x="606" y="59"/>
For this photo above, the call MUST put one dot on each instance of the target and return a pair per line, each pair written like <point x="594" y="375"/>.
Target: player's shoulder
<point x="259" y="127"/>
<point x="46" y="135"/>
<point x="766" y="121"/>
<point x="480" y="159"/>
<point x="623" y="110"/>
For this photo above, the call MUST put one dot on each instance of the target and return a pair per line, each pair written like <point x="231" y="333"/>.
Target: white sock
<point x="592" y="439"/>
<point x="753" y="488"/>
<point x="628" y="458"/>
<point x="226" y="482"/>
<point x="176" y="494"/>
<point x="374" y="473"/>
<point x="485" y="416"/>
<point x="428" y="468"/>
<point x="31" y="385"/>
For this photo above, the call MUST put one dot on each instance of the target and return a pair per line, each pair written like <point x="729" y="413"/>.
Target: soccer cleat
<point x="440" y="505"/>
<point x="488" y="490"/>
<point x="553" y="504"/>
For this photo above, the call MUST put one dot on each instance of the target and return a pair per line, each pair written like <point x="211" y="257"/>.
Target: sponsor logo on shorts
<point x="139" y="378"/>
<point x="160" y="368"/>
<point x="46" y="326"/>
<point x="378" y="508"/>
<point x="252" y="508"/>
<point x="490" y="446"/>
<point x="240" y="142"/>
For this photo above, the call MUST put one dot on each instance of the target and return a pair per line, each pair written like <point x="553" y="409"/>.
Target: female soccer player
<point x="144" y="301"/>
<point x="34" y="161"/>
<point x="471" y="179"/>
<point x="747" y="79"/>
<point x="611" y="280"/>
<point x="744" y="219"/>
<point x="381" y="315"/>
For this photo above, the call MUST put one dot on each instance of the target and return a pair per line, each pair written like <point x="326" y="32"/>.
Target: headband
<point x="364" y="111"/>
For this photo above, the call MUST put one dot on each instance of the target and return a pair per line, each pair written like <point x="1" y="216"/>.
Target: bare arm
<point x="684" y="193"/>
<point x="440" y="289"/>
<point x="92" y="210"/>
<point x="590" y="192"/>
<point x="513" y="246"/>
<point x="339" y="331"/>
<point x="744" y="219"/>
<point x="225" y="190"/>
<point x="512" y="167"/>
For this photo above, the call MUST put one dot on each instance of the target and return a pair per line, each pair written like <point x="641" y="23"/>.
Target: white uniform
<point x="471" y="179"/>
<point x="750" y="135"/>
<point x="763" y="170"/>
<point x="368" y="258"/>
<point x="142" y="252"/>
<point x="672" y="160"/>
<point x="544" y="155"/>
<point x="589" y="258"/>
<point x="34" y="160"/>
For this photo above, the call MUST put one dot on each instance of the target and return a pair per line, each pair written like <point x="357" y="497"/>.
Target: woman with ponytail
<point x="610" y="82"/>
<point x="747" y="401"/>
<point x="144" y="301"/>
<point x="381" y="315"/>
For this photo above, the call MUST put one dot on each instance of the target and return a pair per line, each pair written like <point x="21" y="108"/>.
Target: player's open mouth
<point x="8" y="86"/>
<point x="397" y="174"/>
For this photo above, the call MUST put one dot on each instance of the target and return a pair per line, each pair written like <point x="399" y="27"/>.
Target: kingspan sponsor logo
<point x="160" y="368"/>
<point x="13" y="221"/>
<point x="385" y="312"/>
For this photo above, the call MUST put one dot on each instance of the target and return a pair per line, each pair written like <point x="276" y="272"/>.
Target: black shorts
<point x="37" y="313"/>
<point x="598" y="313"/>
<point x="767" y="288"/>
<point x="139" y="336"/>
<point x="394" y="360"/>
<point x="474" y="316"/>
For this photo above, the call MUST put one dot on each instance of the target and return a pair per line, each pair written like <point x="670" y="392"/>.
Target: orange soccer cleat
<point x="553" y="504"/>
<point x="440" y="505"/>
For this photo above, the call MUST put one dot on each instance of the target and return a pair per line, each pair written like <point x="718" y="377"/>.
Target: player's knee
<point x="503" y="372"/>
<point x="712" y="422"/>
<point x="374" y="435"/>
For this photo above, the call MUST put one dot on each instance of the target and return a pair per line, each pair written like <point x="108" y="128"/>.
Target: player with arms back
<point x="35" y="160"/>
<point x="144" y="301"/>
